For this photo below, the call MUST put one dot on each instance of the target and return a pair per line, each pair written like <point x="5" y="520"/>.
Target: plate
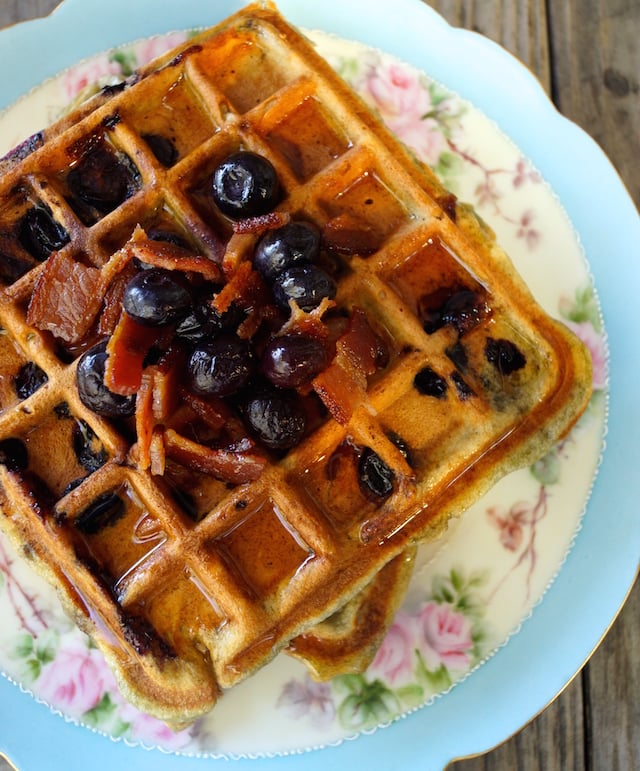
<point x="531" y="528"/>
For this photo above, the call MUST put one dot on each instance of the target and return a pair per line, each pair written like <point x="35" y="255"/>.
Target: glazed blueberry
<point x="375" y="477"/>
<point x="245" y="185"/>
<point x="429" y="383"/>
<point x="220" y="367"/>
<point x="103" y="179"/>
<point x="292" y="360"/>
<point x="203" y="322"/>
<point x="40" y="234"/>
<point x="167" y="237"/>
<point x="276" y="418"/>
<point x="94" y="394"/>
<point x="505" y="356"/>
<point x="308" y="285"/>
<point x="88" y="449"/>
<point x="463" y="310"/>
<point x="156" y="297"/>
<point x="292" y="244"/>
<point x="29" y="378"/>
<point x="163" y="149"/>
<point x="104" y="512"/>
<point x="13" y="454"/>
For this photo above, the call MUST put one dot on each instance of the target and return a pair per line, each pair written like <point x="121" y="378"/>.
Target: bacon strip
<point x="66" y="298"/>
<point x="342" y="386"/>
<point x="162" y="254"/>
<point x="234" y="467"/>
<point x="127" y="349"/>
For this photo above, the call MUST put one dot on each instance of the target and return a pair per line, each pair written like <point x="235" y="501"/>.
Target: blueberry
<point x="167" y="237"/>
<point x="40" y="234"/>
<point x="245" y="185"/>
<point x="29" y="378"/>
<point x="374" y="476"/>
<point x="13" y="454"/>
<point x="463" y="310"/>
<point x="87" y="447"/>
<point x="104" y="512"/>
<point x="93" y="393"/>
<point x="163" y="148"/>
<point x="308" y="285"/>
<point x="505" y="356"/>
<point x="102" y="180"/>
<point x="429" y="383"/>
<point x="203" y="322"/>
<point x="292" y="360"/>
<point x="220" y="367"/>
<point x="276" y="418"/>
<point x="156" y="297"/>
<point x="292" y="244"/>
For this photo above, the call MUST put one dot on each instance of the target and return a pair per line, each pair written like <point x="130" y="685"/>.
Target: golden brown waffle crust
<point x="514" y="420"/>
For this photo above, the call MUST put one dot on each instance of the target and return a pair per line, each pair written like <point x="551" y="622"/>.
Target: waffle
<point x="191" y="553"/>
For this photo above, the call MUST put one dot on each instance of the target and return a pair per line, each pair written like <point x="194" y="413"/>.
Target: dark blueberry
<point x="87" y="447"/>
<point x="375" y="477"/>
<point x="292" y="244"/>
<point x="308" y="285"/>
<point x="277" y="419"/>
<point x="29" y="378"/>
<point x="203" y="322"/>
<point x="93" y="393"/>
<point x="462" y="387"/>
<point x="13" y="454"/>
<point x="40" y="234"/>
<point x="245" y="185"/>
<point x="62" y="410"/>
<point x="167" y="236"/>
<point x="103" y="179"/>
<point x="463" y="310"/>
<point x="220" y="367"/>
<point x="156" y="297"/>
<point x="457" y="353"/>
<point x="163" y="149"/>
<point x="429" y="383"/>
<point x="402" y="445"/>
<point x="504" y="355"/>
<point x="292" y="360"/>
<point x="104" y="512"/>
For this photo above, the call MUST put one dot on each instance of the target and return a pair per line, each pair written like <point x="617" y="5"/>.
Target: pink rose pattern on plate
<point x="443" y="636"/>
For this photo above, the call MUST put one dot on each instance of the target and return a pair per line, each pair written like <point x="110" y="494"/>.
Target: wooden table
<point x="587" y="56"/>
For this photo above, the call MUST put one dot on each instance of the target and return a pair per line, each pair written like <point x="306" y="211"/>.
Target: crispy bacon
<point x="342" y="386"/>
<point x="144" y="420"/>
<point x="260" y="225"/>
<point x="112" y="306"/>
<point x="247" y="291"/>
<point x="157" y="455"/>
<point x="162" y="254"/>
<point x="66" y="298"/>
<point x="217" y="414"/>
<point x="234" y="467"/>
<point x="127" y="349"/>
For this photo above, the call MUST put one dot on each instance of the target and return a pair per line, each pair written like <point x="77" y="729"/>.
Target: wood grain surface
<point x="586" y="53"/>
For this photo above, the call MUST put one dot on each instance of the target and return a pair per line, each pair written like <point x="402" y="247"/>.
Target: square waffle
<point x="188" y="550"/>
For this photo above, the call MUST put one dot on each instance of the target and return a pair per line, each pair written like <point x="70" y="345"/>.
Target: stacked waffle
<point x="253" y="354"/>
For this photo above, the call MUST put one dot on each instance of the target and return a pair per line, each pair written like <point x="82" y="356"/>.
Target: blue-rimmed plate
<point x="487" y="133"/>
